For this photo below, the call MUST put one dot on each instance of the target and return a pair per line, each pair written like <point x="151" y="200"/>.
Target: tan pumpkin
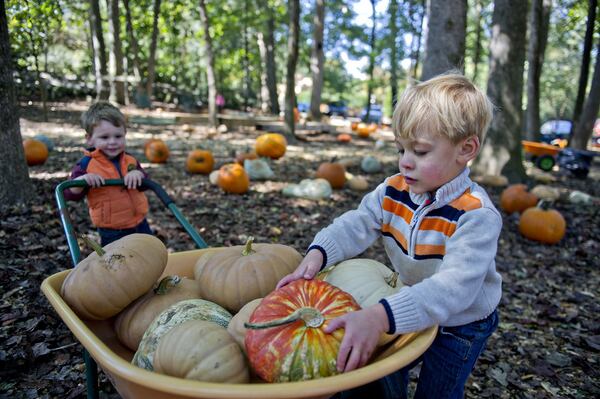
<point x="110" y="278"/>
<point x="134" y="320"/>
<point x="156" y="151"/>
<point x="203" y="351"/>
<point x="516" y="198"/>
<point x="544" y="225"/>
<point x="271" y="145"/>
<point x="36" y="152"/>
<point x="236" y="275"/>
<point x="236" y="326"/>
<point x="200" y="161"/>
<point x="333" y="172"/>
<point x="233" y="179"/>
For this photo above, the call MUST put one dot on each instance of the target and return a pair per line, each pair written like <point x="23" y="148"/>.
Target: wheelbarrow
<point x="102" y="347"/>
<point x="542" y="155"/>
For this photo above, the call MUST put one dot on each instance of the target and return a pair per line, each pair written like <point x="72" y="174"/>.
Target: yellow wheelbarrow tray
<point x="99" y="339"/>
<point x="542" y="155"/>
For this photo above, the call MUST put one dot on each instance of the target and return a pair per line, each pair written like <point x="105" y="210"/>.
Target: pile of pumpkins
<point x="228" y="322"/>
<point x="537" y="221"/>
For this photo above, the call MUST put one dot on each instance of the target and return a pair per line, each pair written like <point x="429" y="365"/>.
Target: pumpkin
<point x="543" y="225"/>
<point x="271" y="145"/>
<point x="233" y="179"/>
<point x="156" y="151"/>
<point x="200" y="161"/>
<point x="370" y="164"/>
<point x="285" y="340"/>
<point x="363" y="130"/>
<point x="134" y="320"/>
<point x="344" y="138"/>
<point x="110" y="278"/>
<point x="333" y="172"/>
<point x="354" y="126"/>
<point x="36" y="152"/>
<point x="241" y="157"/>
<point x="236" y="326"/>
<point x="174" y="315"/>
<point x="203" y="351"/>
<point x="516" y="198"/>
<point x="236" y="275"/>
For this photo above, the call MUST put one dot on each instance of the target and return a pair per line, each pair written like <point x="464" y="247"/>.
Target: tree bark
<point x="371" y="67"/>
<point x="477" y="52"/>
<point x="585" y="63"/>
<point x="210" y="69"/>
<point x="501" y="152"/>
<point x="117" y="83"/>
<point x="591" y="107"/>
<point x="538" y="37"/>
<point x="140" y="91"/>
<point x="98" y="51"/>
<point x="393" y="10"/>
<point x="266" y="44"/>
<point x="445" y="45"/>
<point x="152" y="53"/>
<point x="15" y="186"/>
<point x="292" y="60"/>
<point x="416" y="53"/>
<point x="317" y="60"/>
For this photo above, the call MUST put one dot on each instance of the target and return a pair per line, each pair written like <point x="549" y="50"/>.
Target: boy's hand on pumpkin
<point x="92" y="179"/>
<point x="133" y="179"/>
<point x="307" y="269"/>
<point x="362" y="331"/>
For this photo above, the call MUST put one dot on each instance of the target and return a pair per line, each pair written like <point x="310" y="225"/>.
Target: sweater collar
<point x="446" y="193"/>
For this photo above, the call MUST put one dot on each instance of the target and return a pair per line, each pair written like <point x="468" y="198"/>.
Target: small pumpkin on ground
<point x="156" y="151"/>
<point x="110" y="278"/>
<point x="363" y="130"/>
<point x="236" y="275"/>
<point x="344" y="138"/>
<point x="134" y="320"/>
<point x="36" y="152"/>
<point x="544" y="225"/>
<point x="516" y="198"/>
<point x="333" y="172"/>
<point x="174" y="315"/>
<point x="271" y="145"/>
<point x="285" y="340"/>
<point x="200" y="161"/>
<point x="236" y="326"/>
<point x="203" y="351"/>
<point x="233" y="179"/>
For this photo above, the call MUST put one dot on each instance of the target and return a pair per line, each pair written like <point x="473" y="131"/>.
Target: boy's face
<point x="431" y="160"/>
<point x="108" y="138"/>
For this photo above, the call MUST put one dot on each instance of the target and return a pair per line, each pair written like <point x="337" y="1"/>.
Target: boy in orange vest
<point x="116" y="211"/>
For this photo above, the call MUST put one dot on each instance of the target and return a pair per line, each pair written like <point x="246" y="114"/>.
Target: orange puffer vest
<point x="114" y="207"/>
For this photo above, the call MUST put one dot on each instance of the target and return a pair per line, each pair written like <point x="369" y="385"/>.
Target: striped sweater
<point x="442" y="246"/>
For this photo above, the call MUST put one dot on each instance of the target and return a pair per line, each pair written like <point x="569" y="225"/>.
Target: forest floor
<point x="546" y="346"/>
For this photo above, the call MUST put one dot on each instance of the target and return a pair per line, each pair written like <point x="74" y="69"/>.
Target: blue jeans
<point x="109" y="235"/>
<point x="447" y="364"/>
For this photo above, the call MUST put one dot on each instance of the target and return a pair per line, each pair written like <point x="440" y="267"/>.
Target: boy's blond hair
<point x="101" y="110"/>
<point x="449" y="105"/>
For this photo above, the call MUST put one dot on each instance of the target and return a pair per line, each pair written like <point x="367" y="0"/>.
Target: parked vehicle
<point x="375" y="114"/>
<point x="555" y="129"/>
<point x="303" y="107"/>
<point x="337" y="108"/>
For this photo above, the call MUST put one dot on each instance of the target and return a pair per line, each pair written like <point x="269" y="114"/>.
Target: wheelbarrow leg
<point x="91" y="375"/>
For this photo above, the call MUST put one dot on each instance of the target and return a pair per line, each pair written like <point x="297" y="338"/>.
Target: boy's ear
<point x="469" y="148"/>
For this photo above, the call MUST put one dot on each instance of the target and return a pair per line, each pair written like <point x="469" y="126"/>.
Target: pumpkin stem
<point x="93" y="244"/>
<point x="392" y="281"/>
<point x="166" y="283"/>
<point x="543" y="204"/>
<point x="248" y="248"/>
<point x="310" y="316"/>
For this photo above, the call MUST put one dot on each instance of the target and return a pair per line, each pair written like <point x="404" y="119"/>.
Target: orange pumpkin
<point x="333" y="172"/>
<point x="241" y="157"/>
<point x="36" y="152"/>
<point x="516" y="198"/>
<point x="543" y="225"/>
<point x="363" y="130"/>
<point x="156" y="151"/>
<point x="272" y="145"/>
<point x="354" y="126"/>
<point x="344" y="138"/>
<point x="200" y="161"/>
<point x="233" y="179"/>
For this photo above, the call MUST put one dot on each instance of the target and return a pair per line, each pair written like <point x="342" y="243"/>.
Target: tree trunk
<point x="591" y="107"/>
<point x="152" y="54"/>
<point x="317" y="60"/>
<point x="501" y="151"/>
<point x="445" y="45"/>
<point x="393" y="10"/>
<point x="246" y="59"/>
<point x="140" y="92"/>
<point x="98" y="51"/>
<point x="538" y="36"/>
<point x="585" y="63"/>
<point x="292" y="60"/>
<point x="15" y="186"/>
<point x="210" y="69"/>
<point x="371" y="67"/>
<point x="416" y="53"/>
<point x="477" y="52"/>
<point x="117" y="83"/>
<point x="266" y="46"/>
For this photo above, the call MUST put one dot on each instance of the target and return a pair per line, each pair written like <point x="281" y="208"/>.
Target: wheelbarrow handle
<point x="146" y="183"/>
